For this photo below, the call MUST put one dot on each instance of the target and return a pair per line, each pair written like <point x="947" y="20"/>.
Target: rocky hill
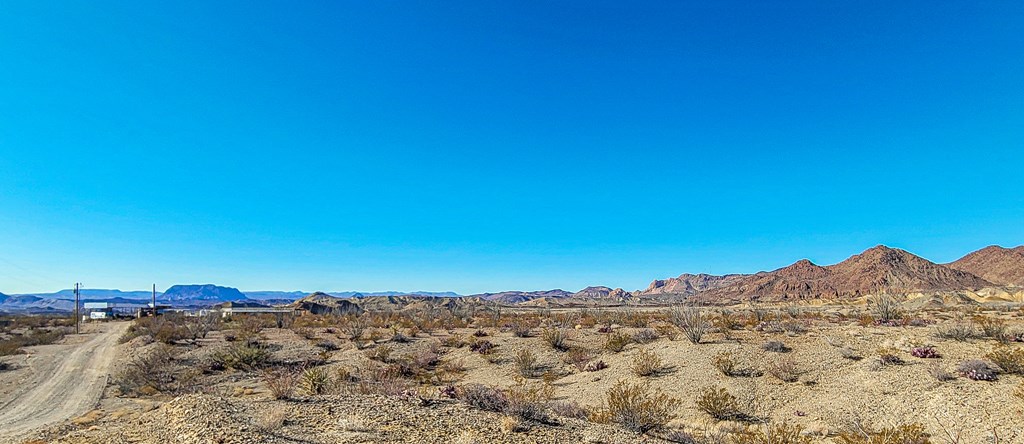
<point x="878" y="269"/>
<point x="1002" y="266"/>
<point x="515" y="297"/>
<point x="323" y="303"/>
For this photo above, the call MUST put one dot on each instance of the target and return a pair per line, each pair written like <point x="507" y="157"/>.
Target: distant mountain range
<point x="877" y="270"/>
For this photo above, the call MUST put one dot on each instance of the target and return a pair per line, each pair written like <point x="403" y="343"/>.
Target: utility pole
<point x="78" y="318"/>
<point x="154" y="300"/>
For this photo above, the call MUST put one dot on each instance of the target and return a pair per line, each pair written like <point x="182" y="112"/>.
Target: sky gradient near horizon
<point x="486" y="146"/>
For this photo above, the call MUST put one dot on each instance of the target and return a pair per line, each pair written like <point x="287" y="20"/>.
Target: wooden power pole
<point x="154" y="300"/>
<point x="78" y="317"/>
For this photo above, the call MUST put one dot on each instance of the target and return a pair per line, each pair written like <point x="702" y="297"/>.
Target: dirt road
<point x="57" y="382"/>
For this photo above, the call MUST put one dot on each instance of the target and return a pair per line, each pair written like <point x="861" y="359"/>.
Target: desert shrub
<point x="899" y="434"/>
<point x="315" y="381"/>
<point x="725" y="363"/>
<point x="528" y="401"/>
<point x="521" y="330"/>
<point x="794" y="327"/>
<point x="578" y="357"/>
<point x="556" y="338"/>
<point x="957" y="331"/>
<point x="925" y="352"/>
<point x="379" y="353"/>
<point x="479" y="333"/>
<point x="568" y="409"/>
<point x="483" y="397"/>
<point x="154" y="371"/>
<point x="1009" y="360"/>
<point x="991" y="327"/>
<point x="616" y="342"/>
<point x="281" y="382"/>
<point x="785" y="369"/>
<point x="936" y="371"/>
<point x="889" y="356"/>
<point x="482" y="346"/>
<point x="398" y="337"/>
<point x="454" y="341"/>
<point x="34" y="336"/>
<point x="771" y="434"/>
<point x="885" y="309"/>
<point x="635" y="407"/>
<point x="719" y="404"/>
<point x="306" y="332"/>
<point x="594" y="366"/>
<point x="691" y="321"/>
<point x="645" y="336"/>
<point x="668" y="331"/>
<point x="727" y="320"/>
<point x="774" y="346"/>
<point x="353" y="326"/>
<point x="646" y="363"/>
<point x="977" y="370"/>
<point x="526" y="363"/>
<point x="242" y="356"/>
<point x="770" y="326"/>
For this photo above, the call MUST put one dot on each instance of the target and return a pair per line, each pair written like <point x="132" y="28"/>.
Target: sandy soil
<point x="53" y="383"/>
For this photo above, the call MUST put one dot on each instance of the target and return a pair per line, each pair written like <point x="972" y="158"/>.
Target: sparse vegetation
<point x="1010" y="360"/>
<point x="859" y="433"/>
<point x="556" y="338"/>
<point x="526" y="363"/>
<point x="635" y="407"/>
<point x="691" y="321"/>
<point x="771" y="434"/>
<point x="785" y="369"/>
<point x="718" y="403"/>
<point x="977" y="370"/>
<point x="646" y="363"/>
<point x="616" y="342"/>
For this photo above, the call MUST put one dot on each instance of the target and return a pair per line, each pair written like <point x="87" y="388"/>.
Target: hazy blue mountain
<point x="95" y="293"/>
<point x="262" y="295"/>
<point x="200" y="294"/>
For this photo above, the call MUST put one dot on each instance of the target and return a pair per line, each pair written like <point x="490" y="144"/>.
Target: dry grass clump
<point x="900" y="434"/>
<point x="771" y="434"/>
<point x="785" y="369"/>
<point x="280" y="382"/>
<point x="1010" y="360"/>
<point x="691" y="321"/>
<point x="725" y="364"/>
<point x="889" y="356"/>
<point x="646" y="363"/>
<point x="526" y="363"/>
<point x="512" y="424"/>
<point x="616" y="342"/>
<point x="556" y="338"/>
<point x="719" y="404"/>
<point x="635" y="407"/>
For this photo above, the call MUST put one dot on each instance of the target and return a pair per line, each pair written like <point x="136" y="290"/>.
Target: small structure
<point x="99" y="310"/>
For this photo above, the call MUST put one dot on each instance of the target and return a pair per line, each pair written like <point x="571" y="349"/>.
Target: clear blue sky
<point x="482" y="146"/>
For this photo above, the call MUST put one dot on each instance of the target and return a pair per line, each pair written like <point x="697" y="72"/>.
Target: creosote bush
<point x="646" y="363"/>
<point x="719" y="404"/>
<point x="617" y="342"/>
<point x="243" y="356"/>
<point x="635" y="407"/>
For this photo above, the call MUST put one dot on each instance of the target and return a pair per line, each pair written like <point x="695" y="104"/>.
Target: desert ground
<point x="877" y="372"/>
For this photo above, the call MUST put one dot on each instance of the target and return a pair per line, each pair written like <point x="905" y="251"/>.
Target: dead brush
<point x="635" y="407"/>
<point x="692" y="321"/>
<point x="281" y="382"/>
<point x="994" y="328"/>
<point x="889" y="356"/>
<point x="578" y="357"/>
<point x="272" y="421"/>
<point x="771" y="434"/>
<point x="785" y="369"/>
<point x="725" y="363"/>
<point x="1010" y="360"/>
<point x="859" y="433"/>
<point x="646" y="363"/>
